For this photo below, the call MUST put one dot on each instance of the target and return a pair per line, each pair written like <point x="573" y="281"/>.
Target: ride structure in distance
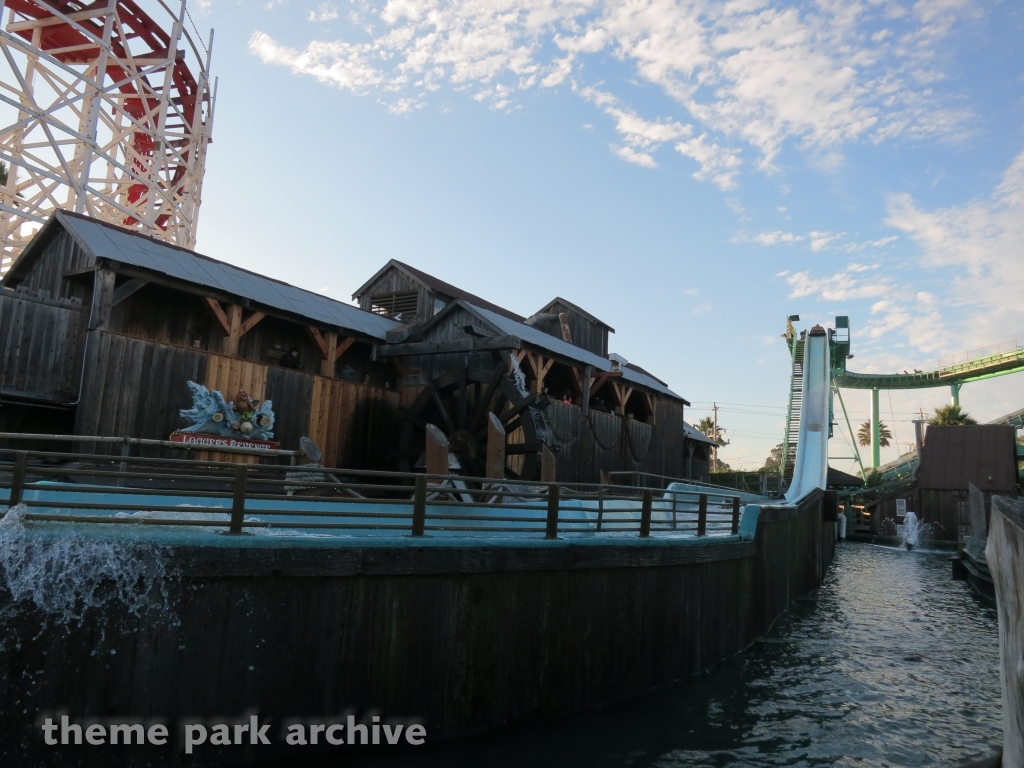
<point x="105" y="110"/>
<point x="1000" y="359"/>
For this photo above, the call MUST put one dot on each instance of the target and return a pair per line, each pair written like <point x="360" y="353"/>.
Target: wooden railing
<point x="97" y="489"/>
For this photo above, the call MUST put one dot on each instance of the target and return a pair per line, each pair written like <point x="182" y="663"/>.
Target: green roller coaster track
<point x="954" y="376"/>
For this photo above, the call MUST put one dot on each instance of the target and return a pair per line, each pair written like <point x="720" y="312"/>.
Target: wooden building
<point x="952" y="458"/>
<point x="101" y="327"/>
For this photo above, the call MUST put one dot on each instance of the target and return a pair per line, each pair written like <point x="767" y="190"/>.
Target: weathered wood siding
<point x="394" y="280"/>
<point x="608" y="443"/>
<point x="40" y="348"/>
<point x="1005" y="555"/>
<point x="58" y="257"/>
<point x="587" y="334"/>
<point x="136" y="387"/>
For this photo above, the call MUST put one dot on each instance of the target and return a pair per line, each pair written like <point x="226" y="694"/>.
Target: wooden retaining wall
<point x="136" y="387"/>
<point x="1005" y="556"/>
<point x="463" y="638"/>
<point x="41" y="344"/>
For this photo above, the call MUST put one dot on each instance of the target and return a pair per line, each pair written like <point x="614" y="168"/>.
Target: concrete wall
<point x="466" y="637"/>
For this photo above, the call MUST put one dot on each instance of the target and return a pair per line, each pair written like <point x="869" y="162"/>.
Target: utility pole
<point x="714" y="461"/>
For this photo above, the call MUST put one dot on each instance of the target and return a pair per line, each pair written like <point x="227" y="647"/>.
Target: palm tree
<point x="707" y="426"/>
<point x="951" y="415"/>
<point x="864" y="434"/>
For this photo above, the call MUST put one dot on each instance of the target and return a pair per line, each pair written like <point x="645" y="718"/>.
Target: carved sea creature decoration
<point x="212" y="414"/>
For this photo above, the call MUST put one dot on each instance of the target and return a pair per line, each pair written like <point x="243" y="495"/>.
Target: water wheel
<point x="457" y="403"/>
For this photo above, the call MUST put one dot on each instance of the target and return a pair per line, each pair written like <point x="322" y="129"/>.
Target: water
<point x="890" y="663"/>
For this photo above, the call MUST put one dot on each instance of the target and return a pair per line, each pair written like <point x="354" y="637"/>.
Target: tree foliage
<point x="774" y="460"/>
<point x="707" y="426"/>
<point x="951" y="416"/>
<point x="864" y="434"/>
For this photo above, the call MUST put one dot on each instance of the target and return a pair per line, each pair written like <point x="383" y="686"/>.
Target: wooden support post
<point x="588" y="375"/>
<point x="330" y="354"/>
<point x="18" y="480"/>
<point x="645" y="513"/>
<point x="547" y="465"/>
<point x="675" y="505"/>
<point x="102" y="298"/>
<point x="437" y="451"/>
<point x="234" y="315"/>
<point x="238" y="499"/>
<point x="551" y="531"/>
<point x="735" y="515"/>
<point x="495" y="469"/>
<point x="600" y="507"/>
<point x="419" y="506"/>
<point x="702" y="515"/>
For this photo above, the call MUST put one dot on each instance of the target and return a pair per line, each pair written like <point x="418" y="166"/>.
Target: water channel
<point x="890" y="663"/>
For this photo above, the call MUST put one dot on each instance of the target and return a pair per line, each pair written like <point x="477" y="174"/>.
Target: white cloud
<point x="820" y="240"/>
<point x="777" y="237"/>
<point x="325" y="12"/>
<point x="979" y="246"/>
<point x="761" y="73"/>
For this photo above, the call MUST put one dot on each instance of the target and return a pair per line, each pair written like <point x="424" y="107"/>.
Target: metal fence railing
<point x="237" y="498"/>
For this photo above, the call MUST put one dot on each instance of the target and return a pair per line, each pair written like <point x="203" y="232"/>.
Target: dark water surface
<point x="890" y="663"/>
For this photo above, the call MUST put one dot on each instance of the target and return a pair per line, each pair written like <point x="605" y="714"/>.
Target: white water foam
<point x="65" y="575"/>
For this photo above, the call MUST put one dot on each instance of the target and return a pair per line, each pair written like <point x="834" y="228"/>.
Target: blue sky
<point x="690" y="172"/>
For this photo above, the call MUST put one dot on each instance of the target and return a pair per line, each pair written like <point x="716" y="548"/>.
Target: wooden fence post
<point x="702" y="515"/>
<point x="18" y="480"/>
<point x="495" y="448"/>
<point x="645" y="513"/>
<point x="552" y="526"/>
<point x="675" y="504"/>
<point x="238" y="500"/>
<point x="735" y="515"/>
<point x="419" y="506"/>
<point x="547" y="465"/>
<point x="600" y="506"/>
<point x="437" y="451"/>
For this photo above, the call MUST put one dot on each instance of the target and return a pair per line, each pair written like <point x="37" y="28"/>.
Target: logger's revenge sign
<point x="215" y="441"/>
<point x="221" y="423"/>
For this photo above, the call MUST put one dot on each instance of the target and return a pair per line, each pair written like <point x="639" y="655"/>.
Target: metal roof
<point x="695" y="434"/>
<point x="109" y="242"/>
<point x="984" y="454"/>
<point x="538" y="338"/>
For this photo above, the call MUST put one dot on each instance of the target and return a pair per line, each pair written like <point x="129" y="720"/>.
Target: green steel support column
<point x="954" y="391"/>
<point x="875" y="448"/>
<point x="853" y="435"/>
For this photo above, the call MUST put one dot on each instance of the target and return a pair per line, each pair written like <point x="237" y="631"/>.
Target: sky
<point x="690" y="172"/>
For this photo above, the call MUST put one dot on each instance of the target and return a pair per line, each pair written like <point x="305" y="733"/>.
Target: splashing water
<point x="910" y="531"/>
<point x="518" y="376"/>
<point x="66" y="574"/>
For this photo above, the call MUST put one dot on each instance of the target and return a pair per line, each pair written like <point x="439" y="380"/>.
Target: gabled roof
<point x="537" y="338"/>
<point x="439" y="286"/>
<point x="692" y="433"/>
<point x="574" y="308"/>
<point x="107" y="241"/>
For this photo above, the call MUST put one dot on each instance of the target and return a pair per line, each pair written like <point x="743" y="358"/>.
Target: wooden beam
<point x="343" y="346"/>
<point x="102" y="298"/>
<point x="218" y="312"/>
<point x="319" y="339"/>
<point x="650" y="405"/>
<point x="330" y="355"/>
<point x="588" y="374"/>
<point x="601" y="379"/>
<point x="622" y="393"/>
<point x="124" y="291"/>
<point x="234" y="314"/>
<point x="547" y="465"/>
<point x="437" y="451"/>
<point x="444" y="348"/>
<point x="495" y="468"/>
<point x="250" y="322"/>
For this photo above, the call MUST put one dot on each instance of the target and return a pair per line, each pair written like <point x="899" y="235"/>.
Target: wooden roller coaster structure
<point x="103" y="111"/>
